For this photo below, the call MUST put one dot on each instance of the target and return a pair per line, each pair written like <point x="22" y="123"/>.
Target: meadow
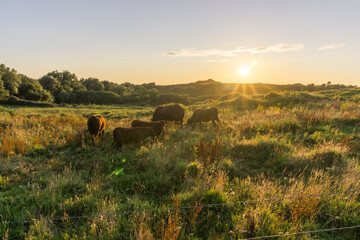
<point x="190" y="183"/>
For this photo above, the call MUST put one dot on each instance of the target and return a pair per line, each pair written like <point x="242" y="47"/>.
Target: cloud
<point x="214" y="61"/>
<point x="211" y="61"/>
<point x="331" y="46"/>
<point x="171" y="53"/>
<point x="191" y="52"/>
<point x="276" y="48"/>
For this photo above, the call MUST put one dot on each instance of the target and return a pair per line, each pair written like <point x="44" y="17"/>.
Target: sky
<point x="181" y="41"/>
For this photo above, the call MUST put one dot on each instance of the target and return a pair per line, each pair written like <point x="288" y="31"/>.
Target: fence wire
<point x="303" y="233"/>
<point x="177" y="208"/>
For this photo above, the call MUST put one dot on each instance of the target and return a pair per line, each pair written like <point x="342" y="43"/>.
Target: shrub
<point x="165" y="98"/>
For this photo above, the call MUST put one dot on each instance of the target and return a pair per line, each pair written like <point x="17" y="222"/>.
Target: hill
<point x="65" y="88"/>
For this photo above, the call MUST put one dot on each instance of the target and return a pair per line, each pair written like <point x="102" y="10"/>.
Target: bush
<point x="272" y="95"/>
<point x="12" y="100"/>
<point x="95" y="97"/>
<point x="32" y="90"/>
<point x="165" y="98"/>
<point x="289" y="98"/>
<point x="241" y="103"/>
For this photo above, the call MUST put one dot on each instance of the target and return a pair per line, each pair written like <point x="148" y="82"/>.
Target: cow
<point x="204" y="115"/>
<point x="173" y="112"/>
<point x="96" y="126"/>
<point x="134" y="134"/>
<point x="157" y="126"/>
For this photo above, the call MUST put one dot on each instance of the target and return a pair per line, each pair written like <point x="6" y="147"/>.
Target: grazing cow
<point x="96" y="126"/>
<point x="157" y="126"/>
<point x="173" y="112"/>
<point x="135" y="134"/>
<point x="204" y="115"/>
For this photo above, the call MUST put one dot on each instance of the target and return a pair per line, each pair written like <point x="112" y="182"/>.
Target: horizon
<point x="277" y="42"/>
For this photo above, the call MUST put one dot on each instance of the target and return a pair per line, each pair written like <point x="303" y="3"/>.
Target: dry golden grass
<point x="171" y="228"/>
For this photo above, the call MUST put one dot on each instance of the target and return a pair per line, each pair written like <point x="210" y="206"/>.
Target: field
<point x="299" y="149"/>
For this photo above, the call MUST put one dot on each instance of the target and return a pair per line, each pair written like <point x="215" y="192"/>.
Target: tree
<point x="62" y="97"/>
<point x="122" y="90"/>
<point x="31" y="89"/>
<point x="10" y="78"/>
<point x="107" y="85"/>
<point x="92" y="84"/>
<point x="68" y="80"/>
<point x="50" y="84"/>
<point x="77" y="86"/>
<point x="310" y="87"/>
<point x="149" y="85"/>
<point x="3" y="92"/>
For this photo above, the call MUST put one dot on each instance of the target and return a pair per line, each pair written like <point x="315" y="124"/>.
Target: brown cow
<point x="135" y="134"/>
<point x="157" y="126"/>
<point x="204" y="115"/>
<point x="173" y="112"/>
<point x="96" y="126"/>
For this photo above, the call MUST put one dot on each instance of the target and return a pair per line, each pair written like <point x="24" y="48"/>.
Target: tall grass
<point x="50" y="168"/>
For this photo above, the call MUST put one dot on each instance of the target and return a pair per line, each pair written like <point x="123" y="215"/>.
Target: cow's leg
<point x="119" y="145"/>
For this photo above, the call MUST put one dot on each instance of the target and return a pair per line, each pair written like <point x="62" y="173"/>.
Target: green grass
<point x="278" y="145"/>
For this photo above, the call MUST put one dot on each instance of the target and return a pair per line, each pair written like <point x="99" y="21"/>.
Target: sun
<point x="244" y="71"/>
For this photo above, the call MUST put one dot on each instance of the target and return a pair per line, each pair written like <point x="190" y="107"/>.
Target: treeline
<point x="65" y="88"/>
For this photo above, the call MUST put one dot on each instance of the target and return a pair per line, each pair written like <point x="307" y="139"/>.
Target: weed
<point x="8" y="146"/>
<point x="303" y="207"/>
<point x="3" y="181"/>
<point x="171" y="228"/>
<point x="209" y="152"/>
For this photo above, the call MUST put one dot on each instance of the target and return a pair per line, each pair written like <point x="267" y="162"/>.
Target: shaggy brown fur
<point x="135" y="134"/>
<point x="204" y="115"/>
<point x="96" y="126"/>
<point x="157" y="126"/>
<point x="173" y="112"/>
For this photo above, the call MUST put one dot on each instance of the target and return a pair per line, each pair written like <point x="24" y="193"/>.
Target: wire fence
<point x="303" y="233"/>
<point x="180" y="208"/>
<point x="203" y="206"/>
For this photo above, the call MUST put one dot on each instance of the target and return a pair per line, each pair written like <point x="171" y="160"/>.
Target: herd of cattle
<point x="140" y="130"/>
